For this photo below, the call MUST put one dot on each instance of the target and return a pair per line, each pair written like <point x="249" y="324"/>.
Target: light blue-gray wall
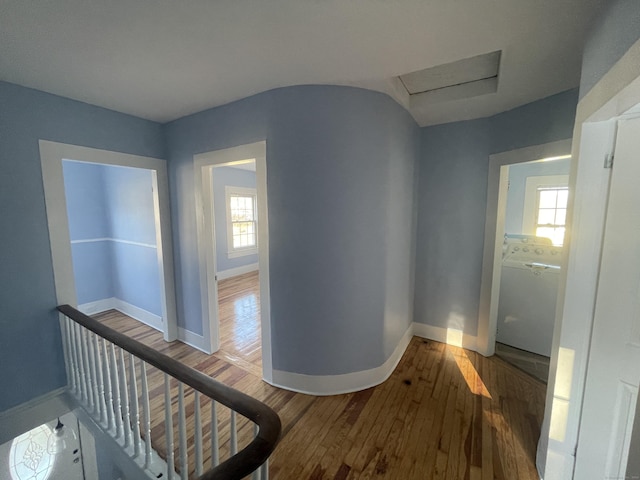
<point x="452" y="202"/>
<point x="129" y="198"/>
<point x="223" y="177"/>
<point x="340" y="175"/>
<point x="111" y="210"/>
<point x="518" y="175"/>
<point x="616" y="28"/>
<point x="87" y="212"/>
<point x="31" y="362"/>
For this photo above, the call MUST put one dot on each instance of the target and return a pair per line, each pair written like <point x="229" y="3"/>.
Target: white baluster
<point x="74" y="357"/>
<point x="93" y="384"/>
<point x="100" y="404"/>
<point x="84" y="396"/>
<point x="182" y="430"/>
<point x="111" y="425"/>
<point x="168" y="427"/>
<point x="256" y="473"/>
<point x="147" y="414"/>
<point x="233" y="432"/>
<point x="198" y="432"/>
<point x="65" y="350"/>
<point x="264" y="470"/>
<point x="215" y="441"/>
<point x="117" y="407"/>
<point x="125" y="401"/>
<point x="135" y="410"/>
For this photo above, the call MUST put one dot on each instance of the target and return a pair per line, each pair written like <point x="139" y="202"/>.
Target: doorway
<point x="530" y="263"/>
<point x="496" y="226"/>
<point x="231" y="205"/>
<point x="54" y="158"/>
<point x="111" y="211"/>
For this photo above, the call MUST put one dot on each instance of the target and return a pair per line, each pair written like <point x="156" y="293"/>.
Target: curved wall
<point x="340" y="175"/>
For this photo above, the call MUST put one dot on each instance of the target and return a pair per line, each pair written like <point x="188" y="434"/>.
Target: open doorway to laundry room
<point x="231" y="200"/>
<point x="527" y="219"/>
<point x="530" y="263"/>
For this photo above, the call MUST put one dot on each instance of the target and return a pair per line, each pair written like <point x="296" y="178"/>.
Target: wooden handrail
<point x="249" y="458"/>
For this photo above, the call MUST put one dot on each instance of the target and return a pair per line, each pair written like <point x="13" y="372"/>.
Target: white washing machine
<point x="528" y="292"/>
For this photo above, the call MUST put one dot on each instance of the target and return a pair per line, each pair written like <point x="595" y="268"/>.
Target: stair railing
<point x="108" y="375"/>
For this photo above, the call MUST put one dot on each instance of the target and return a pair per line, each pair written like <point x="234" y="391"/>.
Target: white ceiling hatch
<point x="162" y="60"/>
<point x="468" y="70"/>
<point x="464" y="78"/>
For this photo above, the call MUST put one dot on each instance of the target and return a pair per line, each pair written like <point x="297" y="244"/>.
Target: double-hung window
<point x="545" y="207"/>
<point x="242" y="221"/>
<point x="551" y="213"/>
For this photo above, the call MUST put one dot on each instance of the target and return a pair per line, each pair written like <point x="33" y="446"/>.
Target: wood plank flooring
<point x="445" y="412"/>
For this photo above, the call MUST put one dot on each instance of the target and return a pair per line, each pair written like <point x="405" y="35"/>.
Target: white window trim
<point x="530" y="209"/>
<point x="239" y="252"/>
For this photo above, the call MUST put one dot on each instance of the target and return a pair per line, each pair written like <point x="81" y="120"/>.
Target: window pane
<point x="548" y="198"/>
<point x="546" y="232"/>
<point x="563" y="196"/>
<point x="561" y="216"/>
<point x="546" y="216"/>
<point x="556" y="235"/>
<point x="558" y="238"/>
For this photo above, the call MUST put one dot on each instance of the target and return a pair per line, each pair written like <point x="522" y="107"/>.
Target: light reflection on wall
<point x="562" y="394"/>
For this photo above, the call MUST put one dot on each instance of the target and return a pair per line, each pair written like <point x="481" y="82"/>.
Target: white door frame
<point x="203" y="166"/>
<point x="616" y="92"/>
<point x="494" y="227"/>
<point x="51" y="156"/>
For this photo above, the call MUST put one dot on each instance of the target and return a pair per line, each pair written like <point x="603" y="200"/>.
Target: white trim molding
<point x="497" y="186"/>
<point x="52" y="154"/>
<point x="234" y="272"/>
<point x="193" y="340"/>
<point x="113" y="303"/>
<point x="203" y="165"/>
<point x="115" y="240"/>
<point x="97" y="306"/>
<point x="322" y="385"/>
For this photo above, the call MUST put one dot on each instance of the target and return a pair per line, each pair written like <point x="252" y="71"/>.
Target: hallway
<point x="444" y="413"/>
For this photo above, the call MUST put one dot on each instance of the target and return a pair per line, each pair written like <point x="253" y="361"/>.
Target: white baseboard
<point x="444" y="335"/>
<point x="139" y="314"/>
<point x="98" y="306"/>
<point x="349" y="382"/>
<point x="233" y="272"/>
<point x="28" y="415"/>
<point x="114" y="303"/>
<point x="193" y="340"/>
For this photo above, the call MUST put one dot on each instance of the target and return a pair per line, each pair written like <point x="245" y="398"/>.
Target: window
<point x="242" y="221"/>
<point x="545" y="207"/>
<point x="551" y="213"/>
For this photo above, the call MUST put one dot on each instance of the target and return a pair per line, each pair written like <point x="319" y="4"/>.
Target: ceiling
<point x="163" y="59"/>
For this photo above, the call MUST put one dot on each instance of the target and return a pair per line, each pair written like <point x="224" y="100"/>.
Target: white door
<point x="613" y="373"/>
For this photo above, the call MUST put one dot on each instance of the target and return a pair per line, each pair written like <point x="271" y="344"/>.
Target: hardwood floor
<point x="239" y="313"/>
<point x="445" y="413"/>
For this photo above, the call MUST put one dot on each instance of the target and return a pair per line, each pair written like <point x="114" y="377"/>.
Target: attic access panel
<point x="463" y="78"/>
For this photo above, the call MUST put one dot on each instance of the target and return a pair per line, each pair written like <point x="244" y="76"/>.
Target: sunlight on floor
<point x="469" y="373"/>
